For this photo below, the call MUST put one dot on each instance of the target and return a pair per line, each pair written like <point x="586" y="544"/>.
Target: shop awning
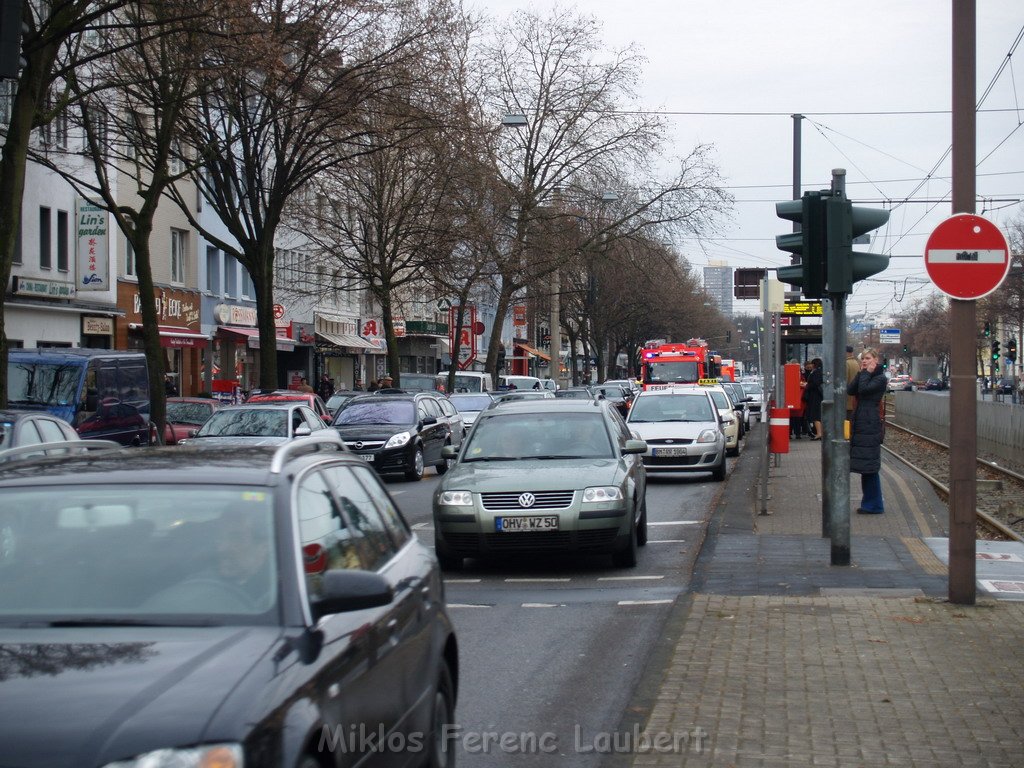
<point x="175" y="336"/>
<point x="252" y="338"/>
<point x="347" y="340"/>
<point x="532" y="351"/>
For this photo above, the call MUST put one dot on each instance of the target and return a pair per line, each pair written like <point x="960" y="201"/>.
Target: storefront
<point x="180" y="332"/>
<point x="342" y="354"/>
<point x="422" y="346"/>
<point x="47" y="313"/>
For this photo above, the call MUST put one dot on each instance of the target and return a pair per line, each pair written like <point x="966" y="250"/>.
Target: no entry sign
<point x="966" y="256"/>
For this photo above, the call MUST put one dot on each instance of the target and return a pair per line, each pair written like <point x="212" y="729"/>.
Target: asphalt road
<point x="552" y="648"/>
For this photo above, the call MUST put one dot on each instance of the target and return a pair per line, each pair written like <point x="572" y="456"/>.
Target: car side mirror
<point x="429" y="420"/>
<point x="634" y="446"/>
<point x="343" y="590"/>
<point x="193" y="432"/>
<point x="303" y="431"/>
<point x="449" y="452"/>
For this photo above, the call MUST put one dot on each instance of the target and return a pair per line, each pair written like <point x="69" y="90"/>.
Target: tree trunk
<point x="150" y="328"/>
<point x="263" y="284"/>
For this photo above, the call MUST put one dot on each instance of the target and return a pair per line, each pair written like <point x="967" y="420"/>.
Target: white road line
<point x="462" y="581"/>
<point x="533" y="581"/>
<point x="469" y="605"/>
<point x="644" y="602"/>
<point x="666" y="541"/>
<point x="422" y="526"/>
<point x="540" y="605"/>
<point x="676" y="522"/>
<point x="629" y="578"/>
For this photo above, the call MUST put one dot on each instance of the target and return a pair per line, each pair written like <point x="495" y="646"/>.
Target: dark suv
<point x="242" y="606"/>
<point x="397" y="432"/>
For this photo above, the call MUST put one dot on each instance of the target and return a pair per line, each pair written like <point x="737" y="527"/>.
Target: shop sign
<point x="173" y="307"/>
<point x="49" y="289"/>
<point x="426" y="328"/>
<point x="399" y="325"/>
<point x="519" y="315"/>
<point x="97" y="326"/>
<point x="92" y="249"/>
<point x="303" y="333"/>
<point x="232" y="314"/>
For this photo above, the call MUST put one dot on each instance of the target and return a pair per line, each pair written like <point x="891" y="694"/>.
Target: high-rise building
<point x="718" y="285"/>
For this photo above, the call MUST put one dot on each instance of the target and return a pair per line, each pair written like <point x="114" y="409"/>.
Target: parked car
<point x="337" y="401"/>
<point x="758" y="404"/>
<point x="730" y="421"/>
<point x="186" y="414"/>
<point x="27" y="435"/>
<point x="217" y="607"/>
<point x="682" y="429"/>
<point x="270" y="423"/>
<point x="935" y="384"/>
<point x="543" y="475"/>
<point x="470" y="405"/>
<point x="396" y="432"/>
<point x="314" y="401"/>
<point x="103" y="394"/>
<point x="741" y="403"/>
<point x="616" y="395"/>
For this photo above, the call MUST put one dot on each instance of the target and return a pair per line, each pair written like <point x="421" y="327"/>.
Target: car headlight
<point x="602" y="493"/>
<point x="211" y="756"/>
<point x="707" y="436"/>
<point x="456" y="498"/>
<point x="397" y="441"/>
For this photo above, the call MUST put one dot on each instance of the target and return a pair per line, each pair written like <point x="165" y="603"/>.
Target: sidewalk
<point x="777" y="658"/>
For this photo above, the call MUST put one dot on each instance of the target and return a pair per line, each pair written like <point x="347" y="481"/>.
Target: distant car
<point x="901" y="383"/>
<point x="18" y="430"/>
<point x="293" y="395"/>
<point x="730" y="421"/>
<point x="270" y="423"/>
<point x="575" y="393"/>
<point x="758" y="405"/>
<point x="231" y="607"/>
<point x="417" y="382"/>
<point x="682" y="430"/>
<point x="543" y="475"/>
<point x="337" y="401"/>
<point x="935" y="384"/>
<point x="628" y="384"/>
<point x="186" y="414"/>
<point x="520" y="382"/>
<point x="616" y="395"/>
<point x="470" y="405"/>
<point x="515" y="395"/>
<point x="741" y="403"/>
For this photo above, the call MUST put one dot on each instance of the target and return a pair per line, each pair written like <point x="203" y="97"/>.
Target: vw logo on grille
<point x="527" y="500"/>
<point x="358" y="444"/>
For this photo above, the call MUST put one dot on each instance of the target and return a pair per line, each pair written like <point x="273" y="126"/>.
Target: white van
<point x="466" y="381"/>
<point x="522" y="382"/>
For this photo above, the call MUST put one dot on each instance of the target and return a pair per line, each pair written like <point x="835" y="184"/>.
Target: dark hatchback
<point x="397" y="432"/>
<point x="244" y="607"/>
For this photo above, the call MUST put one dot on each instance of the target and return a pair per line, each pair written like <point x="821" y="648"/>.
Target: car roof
<point x="543" y="404"/>
<point x="264" y="405"/>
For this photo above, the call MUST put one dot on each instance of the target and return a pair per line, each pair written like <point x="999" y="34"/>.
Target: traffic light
<point x="810" y="243"/>
<point x="906" y="350"/>
<point x="844" y="265"/>
<point x="728" y="337"/>
<point x="885" y="363"/>
<point x="995" y="352"/>
<point x="988" y="329"/>
<point x="1011" y="351"/>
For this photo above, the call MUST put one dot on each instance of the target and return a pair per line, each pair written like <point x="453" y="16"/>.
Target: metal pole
<point x="766" y="374"/>
<point x="828" y="332"/>
<point x="963" y="405"/>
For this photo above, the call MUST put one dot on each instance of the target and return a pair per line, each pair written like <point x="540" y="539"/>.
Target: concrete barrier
<point x="1000" y="425"/>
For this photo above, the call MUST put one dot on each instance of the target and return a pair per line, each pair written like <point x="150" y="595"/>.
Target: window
<point x="369" y="531"/>
<point x="45" y="257"/>
<point x="248" y="291"/>
<point x="129" y="260"/>
<point x="326" y="540"/>
<point x="62" y="241"/>
<point x="393" y="520"/>
<point x="179" y="255"/>
<point x="213" y="270"/>
<point x="176" y="165"/>
<point x="60" y="129"/>
<point x="230" y="276"/>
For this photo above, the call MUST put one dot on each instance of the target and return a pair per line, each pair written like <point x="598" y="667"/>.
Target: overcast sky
<point x="820" y="58"/>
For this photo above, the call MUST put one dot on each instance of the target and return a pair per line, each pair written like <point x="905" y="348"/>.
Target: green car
<point x="552" y="475"/>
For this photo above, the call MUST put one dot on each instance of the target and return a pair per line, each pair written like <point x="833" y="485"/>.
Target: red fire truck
<point x="665" y="363"/>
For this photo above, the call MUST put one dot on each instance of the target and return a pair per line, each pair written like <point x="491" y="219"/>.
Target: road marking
<point x="469" y="605"/>
<point x="462" y="581"/>
<point x="677" y="522"/>
<point x="628" y="578"/>
<point x="532" y="581"/>
<point x="644" y="602"/>
<point x="422" y="526"/>
<point x="666" y="541"/>
<point x="540" y="605"/>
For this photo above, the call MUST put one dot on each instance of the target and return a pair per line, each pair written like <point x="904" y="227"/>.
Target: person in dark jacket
<point x="814" y="393"/>
<point x="866" y="431"/>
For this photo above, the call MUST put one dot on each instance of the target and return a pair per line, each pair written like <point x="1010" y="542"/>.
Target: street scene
<point x="494" y="383"/>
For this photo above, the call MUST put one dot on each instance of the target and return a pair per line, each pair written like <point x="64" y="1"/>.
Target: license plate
<point x="669" y="451"/>
<point x="530" y="523"/>
<point x="365" y="456"/>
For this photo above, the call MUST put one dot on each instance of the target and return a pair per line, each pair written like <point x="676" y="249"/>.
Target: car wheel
<point x="445" y="464"/>
<point x="627" y="556"/>
<point x="733" y="451"/>
<point x="718" y="473"/>
<point x="415" y="472"/>
<point x="641" y="531"/>
<point x="441" y="746"/>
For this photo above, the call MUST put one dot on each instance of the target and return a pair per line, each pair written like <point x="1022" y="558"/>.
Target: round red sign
<point x="278" y="311"/>
<point x="966" y="256"/>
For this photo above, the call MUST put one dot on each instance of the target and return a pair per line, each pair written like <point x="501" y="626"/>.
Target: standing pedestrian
<point x="814" y="393"/>
<point x="325" y="387"/>
<point x="866" y="431"/>
<point x="373" y="386"/>
<point x="852" y="369"/>
<point x="170" y="388"/>
<point x="304" y="386"/>
<point x="358" y="386"/>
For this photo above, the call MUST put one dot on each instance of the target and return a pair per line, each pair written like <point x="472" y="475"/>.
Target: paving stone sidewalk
<point x="781" y="659"/>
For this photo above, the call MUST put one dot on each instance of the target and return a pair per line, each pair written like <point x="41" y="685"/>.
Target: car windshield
<point x="663" y="373"/>
<point x="137" y="553"/>
<point x="471" y="403"/>
<point x="463" y="383"/>
<point x="246" y="422"/>
<point x="399" y="412"/>
<point x="752" y="389"/>
<point x="336" y="401"/>
<point x="611" y="393"/>
<point x="721" y="401"/>
<point x="188" y="413"/>
<point x="549" y="436"/>
<point x="575" y="394"/>
<point x="42" y="383"/>
<point x="656" y="408"/>
<point x="417" y="382"/>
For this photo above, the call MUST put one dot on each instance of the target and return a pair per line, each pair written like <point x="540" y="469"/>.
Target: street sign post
<point x="889" y="336"/>
<point x="463" y="338"/>
<point x="967" y="257"/>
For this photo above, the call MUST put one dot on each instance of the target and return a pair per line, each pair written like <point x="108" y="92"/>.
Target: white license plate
<point x="669" y="451"/>
<point x="365" y="456"/>
<point x="530" y="523"/>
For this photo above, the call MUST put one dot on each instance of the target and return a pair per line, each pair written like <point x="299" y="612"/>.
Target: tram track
<point x="999" y="508"/>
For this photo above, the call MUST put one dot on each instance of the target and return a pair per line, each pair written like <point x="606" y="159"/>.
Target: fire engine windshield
<point x="668" y="373"/>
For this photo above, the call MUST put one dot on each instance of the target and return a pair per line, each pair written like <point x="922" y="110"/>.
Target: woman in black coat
<point x="814" y="393"/>
<point x="866" y="431"/>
